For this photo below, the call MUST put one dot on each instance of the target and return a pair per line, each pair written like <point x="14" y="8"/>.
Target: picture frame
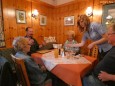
<point x="20" y="16"/>
<point x="69" y="20"/>
<point x="43" y="20"/>
<point x="2" y="32"/>
<point x="108" y="15"/>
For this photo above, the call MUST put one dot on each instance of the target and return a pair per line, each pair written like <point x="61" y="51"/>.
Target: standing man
<point x="33" y="43"/>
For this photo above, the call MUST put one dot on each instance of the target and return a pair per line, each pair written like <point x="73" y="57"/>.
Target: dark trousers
<point x="55" y="80"/>
<point x="91" y="80"/>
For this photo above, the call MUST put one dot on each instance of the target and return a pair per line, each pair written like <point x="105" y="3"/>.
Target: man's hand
<point x="103" y="76"/>
<point x="31" y="41"/>
<point x="43" y="43"/>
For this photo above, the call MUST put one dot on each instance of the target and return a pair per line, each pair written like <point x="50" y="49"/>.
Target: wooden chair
<point x="21" y="71"/>
<point x="93" y="52"/>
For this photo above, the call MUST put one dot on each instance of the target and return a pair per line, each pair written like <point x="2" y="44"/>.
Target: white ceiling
<point x="56" y="2"/>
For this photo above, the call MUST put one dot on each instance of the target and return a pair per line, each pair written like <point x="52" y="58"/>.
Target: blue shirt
<point x="36" y="76"/>
<point x="95" y="33"/>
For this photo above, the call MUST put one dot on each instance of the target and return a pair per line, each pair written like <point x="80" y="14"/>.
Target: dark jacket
<point x="6" y="74"/>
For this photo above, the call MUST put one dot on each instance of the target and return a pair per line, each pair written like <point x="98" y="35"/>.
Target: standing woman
<point x="95" y="32"/>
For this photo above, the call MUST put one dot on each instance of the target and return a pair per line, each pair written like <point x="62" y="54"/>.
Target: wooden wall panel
<point x="12" y="29"/>
<point x="42" y="31"/>
<point x="76" y="8"/>
<point x="55" y="18"/>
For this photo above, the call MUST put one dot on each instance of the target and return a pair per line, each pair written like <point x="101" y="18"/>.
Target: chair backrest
<point x="21" y="71"/>
<point x="93" y="52"/>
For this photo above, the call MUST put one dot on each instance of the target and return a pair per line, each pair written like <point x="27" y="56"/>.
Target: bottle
<point x="62" y="52"/>
<point x="59" y="51"/>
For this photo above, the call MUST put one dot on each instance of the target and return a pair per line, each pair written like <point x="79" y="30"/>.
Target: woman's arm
<point x="102" y="40"/>
<point x="76" y="45"/>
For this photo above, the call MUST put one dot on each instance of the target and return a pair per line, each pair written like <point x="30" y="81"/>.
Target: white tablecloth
<point x="50" y="62"/>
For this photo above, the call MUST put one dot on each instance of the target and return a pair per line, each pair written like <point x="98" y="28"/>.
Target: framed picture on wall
<point x="69" y="20"/>
<point x="43" y="20"/>
<point x="20" y="16"/>
<point x="2" y="32"/>
<point x="108" y="16"/>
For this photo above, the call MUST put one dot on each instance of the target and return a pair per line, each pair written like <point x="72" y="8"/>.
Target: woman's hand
<point x="90" y="46"/>
<point x="103" y="76"/>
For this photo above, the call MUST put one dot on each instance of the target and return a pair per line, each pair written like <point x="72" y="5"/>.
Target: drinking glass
<point x="56" y="53"/>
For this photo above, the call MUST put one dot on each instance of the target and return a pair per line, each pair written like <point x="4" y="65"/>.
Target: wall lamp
<point x="35" y="14"/>
<point x="89" y="11"/>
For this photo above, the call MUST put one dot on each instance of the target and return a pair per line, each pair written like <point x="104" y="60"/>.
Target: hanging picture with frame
<point x="20" y="16"/>
<point x="43" y="20"/>
<point x="69" y="20"/>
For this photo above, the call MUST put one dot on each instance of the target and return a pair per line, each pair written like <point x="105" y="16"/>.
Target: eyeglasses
<point x="110" y="34"/>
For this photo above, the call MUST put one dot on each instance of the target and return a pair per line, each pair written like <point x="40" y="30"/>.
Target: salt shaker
<point x="62" y="52"/>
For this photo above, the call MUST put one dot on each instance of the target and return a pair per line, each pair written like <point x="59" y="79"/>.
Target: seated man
<point x="34" y="45"/>
<point x="37" y="75"/>
<point x="104" y="72"/>
<point x="71" y="40"/>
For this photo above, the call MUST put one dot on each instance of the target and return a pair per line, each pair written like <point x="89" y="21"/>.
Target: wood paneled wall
<point x="12" y="29"/>
<point x="55" y="18"/>
<point x="76" y="8"/>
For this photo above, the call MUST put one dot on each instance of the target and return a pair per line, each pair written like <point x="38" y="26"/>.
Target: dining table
<point x="71" y="74"/>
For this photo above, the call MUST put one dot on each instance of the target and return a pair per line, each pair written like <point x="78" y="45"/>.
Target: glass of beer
<point x="56" y="53"/>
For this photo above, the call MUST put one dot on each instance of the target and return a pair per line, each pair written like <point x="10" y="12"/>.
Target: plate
<point x="43" y="51"/>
